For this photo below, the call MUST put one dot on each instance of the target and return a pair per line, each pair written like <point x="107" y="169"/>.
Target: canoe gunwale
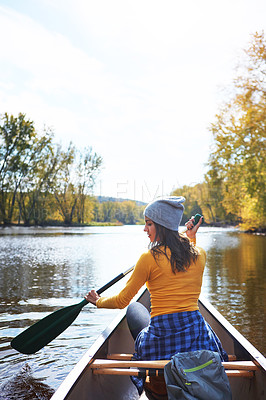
<point x="84" y="363"/>
<point x="236" y="336"/>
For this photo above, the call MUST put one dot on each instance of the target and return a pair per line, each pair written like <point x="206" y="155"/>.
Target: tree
<point x="192" y="204"/>
<point x="88" y="165"/>
<point x="17" y="136"/>
<point x="238" y="159"/>
<point x="76" y="178"/>
<point x="108" y="211"/>
<point x="34" y="187"/>
<point x="32" y="168"/>
<point x="63" y="187"/>
<point x="127" y="212"/>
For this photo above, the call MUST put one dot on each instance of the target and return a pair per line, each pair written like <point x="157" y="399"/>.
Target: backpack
<point x="197" y="375"/>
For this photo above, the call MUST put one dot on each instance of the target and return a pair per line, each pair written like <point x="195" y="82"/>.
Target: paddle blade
<point x="44" y="331"/>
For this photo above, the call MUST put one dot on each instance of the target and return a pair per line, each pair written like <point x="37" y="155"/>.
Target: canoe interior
<point x="234" y="343"/>
<point x="81" y="384"/>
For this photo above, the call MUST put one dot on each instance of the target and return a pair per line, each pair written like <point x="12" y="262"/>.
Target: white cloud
<point x="137" y="80"/>
<point x="52" y="62"/>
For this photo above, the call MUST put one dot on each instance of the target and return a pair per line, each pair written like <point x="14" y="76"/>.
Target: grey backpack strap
<point x="197" y="375"/>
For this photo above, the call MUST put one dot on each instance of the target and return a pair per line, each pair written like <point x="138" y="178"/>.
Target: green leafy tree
<point x="108" y="209"/>
<point x="32" y="168"/>
<point x="88" y="165"/>
<point x="17" y="138"/>
<point x="75" y="179"/>
<point x="34" y="187"/>
<point x="63" y="187"/>
<point x="127" y="212"/>
<point x="238" y="160"/>
<point x="97" y="212"/>
<point x="192" y="204"/>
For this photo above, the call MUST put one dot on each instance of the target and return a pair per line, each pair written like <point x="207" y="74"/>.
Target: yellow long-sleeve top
<point x="170" y="293"/>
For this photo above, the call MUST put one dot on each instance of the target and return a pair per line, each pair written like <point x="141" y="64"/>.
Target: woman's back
<point x="171" y="292"/>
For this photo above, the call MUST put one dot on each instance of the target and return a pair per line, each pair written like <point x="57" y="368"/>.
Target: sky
<point x="138" y="81"/>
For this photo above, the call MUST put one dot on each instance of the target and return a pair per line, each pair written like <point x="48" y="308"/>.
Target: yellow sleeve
<point x="138" y="278"/>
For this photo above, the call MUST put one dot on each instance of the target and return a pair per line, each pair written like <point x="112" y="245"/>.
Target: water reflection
<point x="44" y="269"/>
<point x="235" y="283"/>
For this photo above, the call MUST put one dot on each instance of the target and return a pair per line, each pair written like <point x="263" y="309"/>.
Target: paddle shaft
<point x="48" y="328"/>
<point x="113" y="281"/>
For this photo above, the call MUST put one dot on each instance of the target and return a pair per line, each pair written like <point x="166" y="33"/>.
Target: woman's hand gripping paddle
<point x="44" y="331"/>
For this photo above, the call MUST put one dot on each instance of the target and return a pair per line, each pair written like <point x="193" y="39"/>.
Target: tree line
<point x="233" y="190"/>
<point x="39" y="180"/>
<point x="42" y="183"/>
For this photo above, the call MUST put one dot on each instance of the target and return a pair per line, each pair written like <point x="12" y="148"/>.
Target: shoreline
<point x="258" y="232"/>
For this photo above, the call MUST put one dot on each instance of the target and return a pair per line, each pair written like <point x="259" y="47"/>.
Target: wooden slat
<point x="124" y="356"/>
<point x="159" y="364"/>
<point x="117" y="371"/>
<point x="243" y="365"/>
<point x="137" y="372"/>
<point x="239" y="373"/>
<point x="119" y="356"/>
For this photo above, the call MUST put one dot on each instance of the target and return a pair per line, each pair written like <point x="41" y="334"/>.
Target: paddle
<point x="44" y="331"/>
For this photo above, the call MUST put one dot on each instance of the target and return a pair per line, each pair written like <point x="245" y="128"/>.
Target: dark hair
<point x="183" y="253"/>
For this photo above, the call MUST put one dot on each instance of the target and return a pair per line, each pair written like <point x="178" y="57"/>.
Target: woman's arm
<point x="138" y="278"/>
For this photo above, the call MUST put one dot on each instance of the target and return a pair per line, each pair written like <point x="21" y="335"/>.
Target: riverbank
<point x="53" y="224"/>
<point x="61" y="225"/>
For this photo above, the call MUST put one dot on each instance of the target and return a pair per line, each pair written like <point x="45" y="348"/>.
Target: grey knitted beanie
<point x="166" y="211"/>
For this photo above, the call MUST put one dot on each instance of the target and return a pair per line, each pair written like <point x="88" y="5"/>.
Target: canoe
<point x="103" y="372"/>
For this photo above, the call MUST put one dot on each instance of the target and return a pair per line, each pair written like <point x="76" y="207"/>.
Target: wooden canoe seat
<point x="125" y="356"/>
<point x="121" y="364"/>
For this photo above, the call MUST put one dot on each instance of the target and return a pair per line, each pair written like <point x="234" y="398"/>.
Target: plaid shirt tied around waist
<point x="169" y="334"/>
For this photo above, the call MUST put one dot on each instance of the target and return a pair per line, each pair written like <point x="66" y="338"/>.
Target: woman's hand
<point x="191" y="228"/>
<point x="92" y="297"/>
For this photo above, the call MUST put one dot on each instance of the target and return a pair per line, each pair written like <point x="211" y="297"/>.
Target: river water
<point x="43" y="269"/>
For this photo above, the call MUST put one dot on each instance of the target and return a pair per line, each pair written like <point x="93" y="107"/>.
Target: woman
<point x="172" y="270"/>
